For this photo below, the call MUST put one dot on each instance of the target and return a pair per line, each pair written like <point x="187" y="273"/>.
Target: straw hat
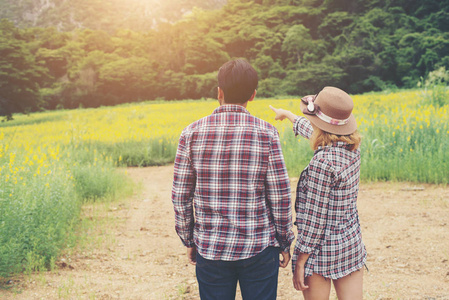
<point x="330" y="110"/>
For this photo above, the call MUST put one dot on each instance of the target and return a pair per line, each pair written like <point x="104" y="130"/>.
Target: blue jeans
<point x="257" y="276"/>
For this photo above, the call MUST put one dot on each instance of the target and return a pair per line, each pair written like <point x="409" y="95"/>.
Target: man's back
<point x="242" y="190"/>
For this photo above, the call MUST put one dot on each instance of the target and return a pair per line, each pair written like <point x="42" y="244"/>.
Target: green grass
<point x="396" y="146"/>
<point x="155" y="152"/>
<point x="36" y="214"/>
<point x="420" y="157"/>
<point x="417" y="156"/>
<point x="40" y="204"/>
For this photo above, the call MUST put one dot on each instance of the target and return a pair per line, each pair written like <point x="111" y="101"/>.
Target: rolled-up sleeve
<point x="183" y="189"/>
<point x="278" y="194"/>
<point x="302" y="127"/>
<point x="312" y="214"/>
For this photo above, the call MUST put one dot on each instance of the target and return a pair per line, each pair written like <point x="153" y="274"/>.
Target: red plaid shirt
<point x="231" y="191"/>
<point x="326" y="210"/>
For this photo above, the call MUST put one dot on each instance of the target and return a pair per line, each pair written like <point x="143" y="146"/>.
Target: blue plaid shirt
<point x="231" y="191"/>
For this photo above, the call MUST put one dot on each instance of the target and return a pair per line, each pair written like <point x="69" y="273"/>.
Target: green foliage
<point x="40" y="200"/>
<point x="436" y="90"/>
<point x="36" y="217"/>
<point x="297" y="41"/>
<point x="297" y="47"/>
<point x="93" y="182"/>
<point x="417" y="156"/>
<point x="269" y="87"/>
<point x="20" y="74"/>
<point x="94" y="174"/>
<point x="138" y="154"/>
<point x="312" y="78"/>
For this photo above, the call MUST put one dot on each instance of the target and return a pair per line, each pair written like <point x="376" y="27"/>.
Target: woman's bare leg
<point x="350" y="287"/>
<point x="319" y="288"/>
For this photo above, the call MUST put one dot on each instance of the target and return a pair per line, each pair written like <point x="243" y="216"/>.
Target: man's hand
<point x="191" y="255"/>
<point x="285" y="259"/>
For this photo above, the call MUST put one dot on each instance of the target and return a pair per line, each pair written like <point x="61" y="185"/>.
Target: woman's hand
<point x="298" y="277"/>
<point x="281" y="114"/>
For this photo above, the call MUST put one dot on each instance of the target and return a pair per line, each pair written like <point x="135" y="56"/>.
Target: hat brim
<point x="345" y="129"/>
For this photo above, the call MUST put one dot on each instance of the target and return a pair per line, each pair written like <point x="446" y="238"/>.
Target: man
<point x="230" y="167"/>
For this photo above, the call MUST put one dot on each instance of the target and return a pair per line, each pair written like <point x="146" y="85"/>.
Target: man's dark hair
<point x="238" y="80"/>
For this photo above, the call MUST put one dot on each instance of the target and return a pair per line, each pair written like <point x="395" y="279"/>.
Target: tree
<point x="199" y="86"/>
<point x="312" y="78"/>
<point x="203" y="55"/>
<point x="127" y="80"/>
<point x="334" y="24"/>
<point x="297" y="41"/>
<point x="20" y="74"/>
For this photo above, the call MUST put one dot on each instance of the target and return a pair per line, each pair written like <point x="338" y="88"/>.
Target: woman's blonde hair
<point x="322" y="138"/>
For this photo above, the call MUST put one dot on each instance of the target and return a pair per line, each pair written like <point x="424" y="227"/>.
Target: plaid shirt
<point x="326" y="210"/>
<point x="230" y="167"/>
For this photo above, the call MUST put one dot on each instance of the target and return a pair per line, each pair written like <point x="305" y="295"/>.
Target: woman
<point x="329" y="245"/>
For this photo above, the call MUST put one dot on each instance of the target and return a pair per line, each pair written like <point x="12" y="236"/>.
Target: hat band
<point x="331" y="120"/>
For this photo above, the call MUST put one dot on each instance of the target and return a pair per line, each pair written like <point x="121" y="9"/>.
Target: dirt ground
<point x="136" y="254"/>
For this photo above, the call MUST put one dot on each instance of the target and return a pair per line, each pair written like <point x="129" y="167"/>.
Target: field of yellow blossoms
<point x="50" y="162"/>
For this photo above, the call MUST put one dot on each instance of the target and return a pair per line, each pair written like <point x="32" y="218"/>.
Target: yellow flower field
<point x="394" y="123"/>
<point x="53" y="161"/>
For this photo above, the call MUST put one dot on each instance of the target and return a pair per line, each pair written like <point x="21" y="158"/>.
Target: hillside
<point x="67" y="15"/>
<point x="136" y="50"/>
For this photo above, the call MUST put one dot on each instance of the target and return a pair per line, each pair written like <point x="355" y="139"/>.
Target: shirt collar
<point x="336" y="144"/>
<point x="231" y="108"/>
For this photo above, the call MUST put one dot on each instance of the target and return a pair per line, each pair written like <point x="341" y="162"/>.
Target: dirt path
<point x="139" y="256"/>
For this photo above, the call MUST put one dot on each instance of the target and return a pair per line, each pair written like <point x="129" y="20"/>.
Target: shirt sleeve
<point x="303" y="127"/>
<point x="279" y="195"/>
<point x="183" y="189"/>
<point x="312" y="216"/>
